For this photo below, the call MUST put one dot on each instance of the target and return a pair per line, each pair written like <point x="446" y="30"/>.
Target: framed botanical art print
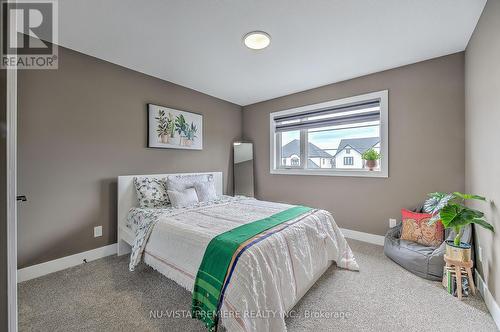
<point x="174" y="129"/>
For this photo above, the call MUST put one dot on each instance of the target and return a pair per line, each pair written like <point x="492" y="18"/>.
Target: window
<point x="330" y="138"/>
<point x="290" y="149"/>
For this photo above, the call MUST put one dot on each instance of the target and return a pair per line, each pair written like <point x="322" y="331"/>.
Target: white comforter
<point x="269" y="278"/>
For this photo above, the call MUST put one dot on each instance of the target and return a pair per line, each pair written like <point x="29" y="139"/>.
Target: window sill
<point x="328" y="172"/>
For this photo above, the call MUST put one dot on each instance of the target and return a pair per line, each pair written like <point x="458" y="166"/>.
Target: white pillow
<point x="185" y="198"/>
<point x="206" y="191"/>
<point x="182" y="182"/>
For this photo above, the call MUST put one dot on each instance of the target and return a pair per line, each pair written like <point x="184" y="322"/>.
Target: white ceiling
<point x="198" y="44"/>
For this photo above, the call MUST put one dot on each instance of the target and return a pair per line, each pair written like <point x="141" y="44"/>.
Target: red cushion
<point x="416" y="229"/>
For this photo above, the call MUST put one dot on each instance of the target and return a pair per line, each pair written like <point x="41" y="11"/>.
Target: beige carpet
<point x="104" y="296"/>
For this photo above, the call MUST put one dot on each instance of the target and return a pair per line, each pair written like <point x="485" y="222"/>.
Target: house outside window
<point x="316" y="139"/>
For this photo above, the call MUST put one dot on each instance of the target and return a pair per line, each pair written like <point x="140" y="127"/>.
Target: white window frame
<point x="275" y="159"/>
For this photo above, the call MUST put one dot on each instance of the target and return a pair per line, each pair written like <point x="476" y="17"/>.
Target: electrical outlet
<point x="97" y="231"/>
<point x="392" y="222"/>
<point x="480" y="253"/>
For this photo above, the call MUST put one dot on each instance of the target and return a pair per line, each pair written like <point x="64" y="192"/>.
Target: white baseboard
<point x="362" y="236"/>
<point x="493" y="307"/>
<point x="59" y="264"/>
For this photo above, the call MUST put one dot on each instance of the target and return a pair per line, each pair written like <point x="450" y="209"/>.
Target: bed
<point x="270" y="277"/>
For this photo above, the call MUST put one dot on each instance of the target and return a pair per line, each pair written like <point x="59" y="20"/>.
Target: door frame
<point x="11" y="199"/>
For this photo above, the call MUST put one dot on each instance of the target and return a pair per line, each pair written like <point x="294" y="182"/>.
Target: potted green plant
<point x="190" y="134"/>
<point x="181" y="126"/>
<point x="451" y="210"/>
<point x="371" y="157"/>
<point x="170" y="128"/>
<point x="162" y="128"/>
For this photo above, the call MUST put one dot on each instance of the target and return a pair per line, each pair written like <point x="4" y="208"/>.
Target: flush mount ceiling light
<point x="257" y="40"/>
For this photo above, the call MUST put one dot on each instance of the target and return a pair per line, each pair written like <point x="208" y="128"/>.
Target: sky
<point x="330" y="140"/>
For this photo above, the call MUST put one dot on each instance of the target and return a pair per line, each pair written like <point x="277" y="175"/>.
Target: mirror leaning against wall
<point x="243" y="169"/>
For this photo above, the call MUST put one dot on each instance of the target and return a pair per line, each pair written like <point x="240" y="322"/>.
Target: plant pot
<point x="460" y="253"/>
<point x="170" y="140"/>
<point x="188" y="142"/>
<point x="371" y="164"/>
<point x="164" y="139"/>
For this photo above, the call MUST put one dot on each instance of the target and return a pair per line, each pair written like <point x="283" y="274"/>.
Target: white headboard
<point x="127" y="197"/>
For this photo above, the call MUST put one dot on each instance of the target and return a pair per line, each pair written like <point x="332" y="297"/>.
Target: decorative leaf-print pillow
<point x="151" y="192"/>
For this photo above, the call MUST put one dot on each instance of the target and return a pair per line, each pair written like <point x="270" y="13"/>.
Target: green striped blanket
<point x="220" y="258"/>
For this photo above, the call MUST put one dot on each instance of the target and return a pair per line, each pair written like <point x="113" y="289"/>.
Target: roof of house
<point x="311" y="164"/>
<point x="293" y="148"/>
<point x="358" y="144"/>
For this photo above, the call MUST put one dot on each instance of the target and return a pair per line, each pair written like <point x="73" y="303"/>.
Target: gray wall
<point x="83" y="125"/>
<point x="482" y="119"/>
<point x="3" y="205"/>
<point x="426" y="146"/>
